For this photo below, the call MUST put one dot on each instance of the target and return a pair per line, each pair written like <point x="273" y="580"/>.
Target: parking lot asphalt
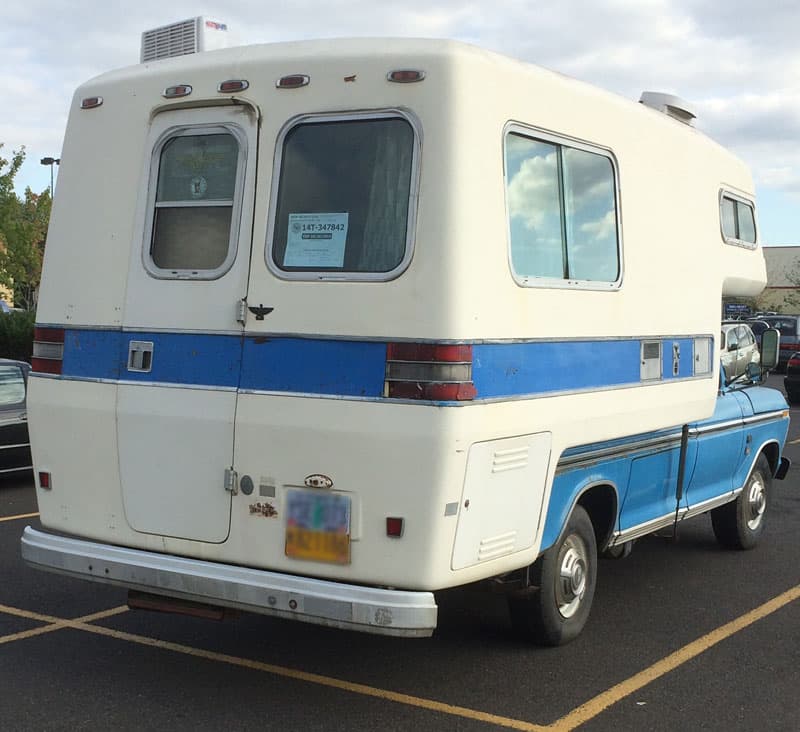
<point x="683" y="635"/>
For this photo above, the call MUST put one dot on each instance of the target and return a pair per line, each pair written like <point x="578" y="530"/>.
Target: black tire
<point x="792" y="397"/>
<point x="740" y="523"/>
<point x="566" y="575"/>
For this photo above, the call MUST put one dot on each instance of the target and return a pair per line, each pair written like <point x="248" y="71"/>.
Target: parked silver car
<point x="738" y="348"/>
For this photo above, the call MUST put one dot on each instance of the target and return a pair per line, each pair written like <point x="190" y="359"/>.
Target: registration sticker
<point x="318" y="526"/>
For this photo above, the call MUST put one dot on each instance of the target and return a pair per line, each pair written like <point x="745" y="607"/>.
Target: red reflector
<point x="394" y="526"/>
<point x="293" y="81"/>
<point x="405" y="76"/>
<point x="48" y="335"/>
<point x="44" y="480"/>
<point x="91" y="102"/>
<point x="429" y="371"/>
<point x="233" y="85"/>
<point x="428" y="352"/>
<point x="179" y="90"/>
<point x="48" y="350"/>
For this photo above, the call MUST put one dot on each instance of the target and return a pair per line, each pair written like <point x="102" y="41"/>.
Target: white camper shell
<point x="321" y="322"/>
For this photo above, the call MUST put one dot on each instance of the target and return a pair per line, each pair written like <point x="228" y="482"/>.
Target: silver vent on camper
<point x="670" y="105"/>
<point x="186" y="36"/>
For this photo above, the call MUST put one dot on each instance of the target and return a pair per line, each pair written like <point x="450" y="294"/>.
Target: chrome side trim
<point x="12" y="447"/>
<point x="590" y="457"/>
<point x="16" y="470"/>
<point x="323" y="602"/>
<point x="648" y="527"/>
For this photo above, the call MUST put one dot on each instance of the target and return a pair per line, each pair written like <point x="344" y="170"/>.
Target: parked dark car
<point x="758" y="327"/>
<point x="15" y="447"/>
<point x="788" y="327"/>
<point x="791" y="382"/>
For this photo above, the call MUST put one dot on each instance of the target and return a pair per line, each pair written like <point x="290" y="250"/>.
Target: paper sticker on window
<point x="316" y="240"/>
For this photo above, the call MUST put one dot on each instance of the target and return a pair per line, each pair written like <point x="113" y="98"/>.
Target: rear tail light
<point x="48" y="350"/>
<point x="429" y="371"/>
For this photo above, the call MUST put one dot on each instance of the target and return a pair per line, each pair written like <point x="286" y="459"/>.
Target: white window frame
<point x="738" y="200"/>
<point x="413" y="194"/>
<point x="236" y="205"/>
<point x="537" y="134"/>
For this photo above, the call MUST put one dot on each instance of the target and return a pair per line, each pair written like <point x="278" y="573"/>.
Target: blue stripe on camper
<point x="513" y="369"/>
<point x="342" y="368"/>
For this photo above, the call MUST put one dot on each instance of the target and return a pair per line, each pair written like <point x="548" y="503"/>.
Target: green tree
<point x="23" y="231"/>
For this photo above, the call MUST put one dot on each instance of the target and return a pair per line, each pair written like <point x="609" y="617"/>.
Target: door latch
<point x="231" y="481"/>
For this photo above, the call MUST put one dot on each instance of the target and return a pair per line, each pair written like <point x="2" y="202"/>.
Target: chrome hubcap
<point x="756" y="503"/>
<point x="571" y="581"/>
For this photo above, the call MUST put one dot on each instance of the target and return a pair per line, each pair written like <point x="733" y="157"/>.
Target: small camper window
<point x="193" y="224"/>
<point x="562" y="208"/>
<point x="343" y="207"/>
<point x="738" y="222"/>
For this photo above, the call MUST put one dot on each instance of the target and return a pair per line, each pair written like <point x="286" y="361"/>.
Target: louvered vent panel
<point x="177" y="39"/>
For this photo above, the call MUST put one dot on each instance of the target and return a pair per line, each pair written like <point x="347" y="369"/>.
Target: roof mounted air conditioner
<point x="186" y="36"/>
<point x="670" y="105"/>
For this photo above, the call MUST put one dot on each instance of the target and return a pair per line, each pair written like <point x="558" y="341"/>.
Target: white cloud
<point x="738" y="62"/>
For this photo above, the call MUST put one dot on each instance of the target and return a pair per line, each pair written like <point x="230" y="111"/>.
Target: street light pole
<point x="51" y="162"/>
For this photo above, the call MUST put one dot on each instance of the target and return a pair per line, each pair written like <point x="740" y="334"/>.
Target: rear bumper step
<point x="386" y="612"/>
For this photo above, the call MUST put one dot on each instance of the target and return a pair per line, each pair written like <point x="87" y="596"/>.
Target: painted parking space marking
<point x="601" y="702"/>
<point x="577" y="717"/>
<point x="794" y="442"/>
<point x="52" y="623"/>
<point x="18" y="516"/>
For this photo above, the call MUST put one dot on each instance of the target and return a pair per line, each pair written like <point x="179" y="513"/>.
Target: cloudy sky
<point x="738" y="62"/>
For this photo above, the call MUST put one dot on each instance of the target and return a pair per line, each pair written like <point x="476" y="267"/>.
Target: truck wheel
<point x="566" y="575"/>
<point x="740" y="523"/>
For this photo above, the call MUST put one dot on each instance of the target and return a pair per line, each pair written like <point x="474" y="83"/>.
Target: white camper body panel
<point x="154" y="485"/>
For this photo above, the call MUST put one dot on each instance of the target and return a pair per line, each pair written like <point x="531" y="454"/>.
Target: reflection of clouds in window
<point x="534" y="208"/>
<point x="533" y="188"/>
<point x="603" y="228"/>
<point x="562" y="210"/>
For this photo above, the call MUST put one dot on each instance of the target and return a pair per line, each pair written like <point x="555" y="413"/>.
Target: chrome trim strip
<point x="590" y="457"/>
<point x="16" y="470"/>
<point x="648" y="527"/>
<point x="767" y="416"/>
<point x="323" y="602"/>
<point x="13" y="447"/>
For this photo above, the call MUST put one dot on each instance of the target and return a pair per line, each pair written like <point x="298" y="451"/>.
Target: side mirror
<point x="770" y="348"/>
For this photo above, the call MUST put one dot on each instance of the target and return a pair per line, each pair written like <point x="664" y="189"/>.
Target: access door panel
<point x="180" y="351"/>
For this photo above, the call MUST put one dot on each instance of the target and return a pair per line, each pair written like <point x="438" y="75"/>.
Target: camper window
<point x="192" y="225"/>
<point x="562" y="208"/>
<point x="343" y="201"/>
<point x="737" y="220"/>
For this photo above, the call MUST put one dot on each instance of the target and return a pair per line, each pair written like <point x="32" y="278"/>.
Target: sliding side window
<point x="195" y="201"/>
<point x="738" y="221"/>
<point x="562" y="207"/>
<point x="345" y="195"/>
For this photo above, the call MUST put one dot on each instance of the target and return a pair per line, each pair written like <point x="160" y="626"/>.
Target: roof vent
<point x="670" y="105"/>
<point x="186" y="36"/>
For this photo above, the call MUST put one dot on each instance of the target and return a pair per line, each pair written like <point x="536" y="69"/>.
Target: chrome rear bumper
<point x="386" y="612"/>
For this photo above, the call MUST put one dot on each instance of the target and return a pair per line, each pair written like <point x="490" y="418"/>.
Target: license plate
<point x="318" y="526"/>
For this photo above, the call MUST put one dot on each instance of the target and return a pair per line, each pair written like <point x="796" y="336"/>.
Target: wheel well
<point x="772" y="453"/>
<point x="600" y="502"/>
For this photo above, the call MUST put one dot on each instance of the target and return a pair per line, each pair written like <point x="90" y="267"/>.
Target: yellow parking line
<point x="794" y="442"/>
<point x="601" y="702"/>
<point x="578" y="716"/>
<point x="52" y="623"/>
<point x="20" y="516"/>
<point x="318" y="679"/>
